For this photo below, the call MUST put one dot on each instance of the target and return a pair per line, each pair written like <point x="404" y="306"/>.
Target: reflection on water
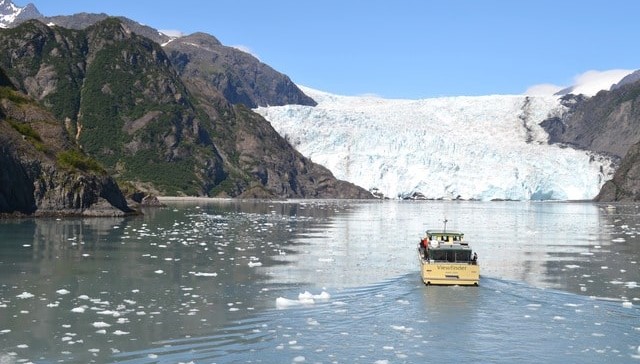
<point x="200" y="280"/>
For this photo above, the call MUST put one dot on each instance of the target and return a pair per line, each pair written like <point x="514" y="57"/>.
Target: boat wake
<point x="401" y="318"/>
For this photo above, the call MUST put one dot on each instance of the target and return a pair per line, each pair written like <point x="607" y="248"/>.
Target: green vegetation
<point x="11" y="95"/>
<point x="74" y="159"/>
<point x="172" y="178"/>
<point x="29" y="134"/>
<point x="26" y="130"/>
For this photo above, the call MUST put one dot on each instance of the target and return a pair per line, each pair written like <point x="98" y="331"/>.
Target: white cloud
<point x="588" y="83"/>
<point x="543" y="89"/>
<point x="591" y="82"/>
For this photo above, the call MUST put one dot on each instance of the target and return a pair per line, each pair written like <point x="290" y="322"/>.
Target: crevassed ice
<point x="481" y="147"/>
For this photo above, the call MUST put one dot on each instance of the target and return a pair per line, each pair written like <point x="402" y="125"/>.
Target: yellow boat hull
<point x="461" y="274"/>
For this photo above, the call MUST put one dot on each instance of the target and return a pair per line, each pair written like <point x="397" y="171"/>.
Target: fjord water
<point x="220" y="281"/>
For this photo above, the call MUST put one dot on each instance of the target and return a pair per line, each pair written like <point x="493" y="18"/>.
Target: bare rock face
<point x="238" y="76"/>
<point x="608" y="122"/>
<point x="625" y="185"/>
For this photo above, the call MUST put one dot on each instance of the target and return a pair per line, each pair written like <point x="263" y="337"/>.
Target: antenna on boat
<point x="445" y="224"/>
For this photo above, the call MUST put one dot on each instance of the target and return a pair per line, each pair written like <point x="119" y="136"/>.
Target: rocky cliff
<point x="608" y="122"/>
<point x="154" y="125"/>
<point x="625" y="185"/>
<point x="41" y="172"/>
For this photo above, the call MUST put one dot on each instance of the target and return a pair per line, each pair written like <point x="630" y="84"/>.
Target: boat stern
<point x="450" y="274"/>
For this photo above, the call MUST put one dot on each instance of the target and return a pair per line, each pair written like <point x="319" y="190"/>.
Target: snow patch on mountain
<point x="10" y="13"/>
<point x="484" y="148"/>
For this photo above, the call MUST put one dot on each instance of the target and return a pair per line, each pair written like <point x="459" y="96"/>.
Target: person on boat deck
<point x="474" y="260"/>
<point x="424" y="244"/>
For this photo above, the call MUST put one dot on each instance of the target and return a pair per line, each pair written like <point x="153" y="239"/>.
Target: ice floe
<point x="305" y="298"/>
<point x="25" y="295"/>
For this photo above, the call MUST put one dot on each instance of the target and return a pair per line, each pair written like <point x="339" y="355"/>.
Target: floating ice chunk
<point x="25" y="295"/>
<point x="103" y="331"/>
<point x="618" y="240"/>
<point x="159" y="271"/>
<point x="401" y="328"/>
<point x="305" y="298"/>
<point x="572" y="266"/>
<point x="627" y="304"/>
<point x="299" y="359"/>
<point x="203" y="274"/>
<point x="100" y="324"/>
<point x="80" y="309"/>
<point x="22" y="346"/>
<point x="120" y="332"/>
<point x="62" y="291"/>
<point x="255" y="264"/>
<point x="326" y="260"/>
<point x="83" y="297"/>
<point x="307" y="295"/>
<point x="282" y="302"/>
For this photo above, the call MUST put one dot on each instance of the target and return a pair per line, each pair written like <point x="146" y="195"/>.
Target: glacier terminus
<point x="462" y="147"/>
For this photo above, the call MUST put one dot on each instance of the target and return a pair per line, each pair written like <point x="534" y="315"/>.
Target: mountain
<point x="124" y="103"/>
<point x="476" y="148"/>
<point x="11" y="14"/>
<point x="608" y="122"/>
<point x="239" y="76"/>
<point x="42" y="172"/>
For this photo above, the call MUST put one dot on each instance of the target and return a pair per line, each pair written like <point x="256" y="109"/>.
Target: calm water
<point x="321" y="282"/>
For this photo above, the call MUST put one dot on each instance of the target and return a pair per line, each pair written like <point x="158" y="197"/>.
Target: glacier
<point x="470" y="148"/>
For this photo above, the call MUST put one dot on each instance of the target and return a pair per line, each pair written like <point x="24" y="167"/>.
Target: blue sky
<point x="405" y="48"/>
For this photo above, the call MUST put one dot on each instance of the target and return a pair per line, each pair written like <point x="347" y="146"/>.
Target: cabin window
<point x="451" y="255"/>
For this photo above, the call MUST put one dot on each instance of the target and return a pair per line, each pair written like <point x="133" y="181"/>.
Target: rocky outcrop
<point x="34" y="181"/>
<point x="608" y="122"/>
<point x="625" y="185"/>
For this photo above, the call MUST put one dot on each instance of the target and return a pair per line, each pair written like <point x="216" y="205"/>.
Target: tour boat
<point x="446" y="259"/>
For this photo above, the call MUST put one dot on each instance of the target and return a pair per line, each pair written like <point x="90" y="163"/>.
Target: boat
<point x="446" y="259"/>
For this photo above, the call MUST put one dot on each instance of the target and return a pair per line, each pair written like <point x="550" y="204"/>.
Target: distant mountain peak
<point x="10" y="13"/>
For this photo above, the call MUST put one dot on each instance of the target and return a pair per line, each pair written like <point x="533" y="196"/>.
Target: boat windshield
<point x="451" y="255"/>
